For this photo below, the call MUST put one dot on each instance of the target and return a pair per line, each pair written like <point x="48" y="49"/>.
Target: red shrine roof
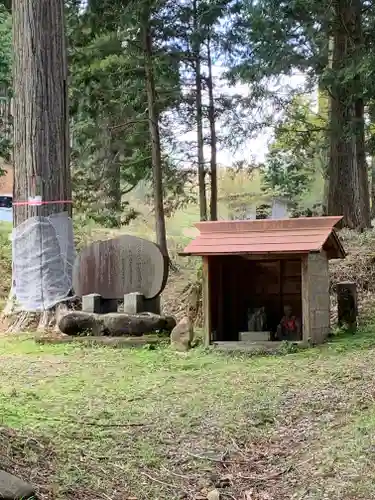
<point x="278" y="236"/>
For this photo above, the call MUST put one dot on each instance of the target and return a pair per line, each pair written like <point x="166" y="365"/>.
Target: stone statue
<point x="182" y="335"/>
<point x="289" y="327"/>
<point x="257" y="320"/>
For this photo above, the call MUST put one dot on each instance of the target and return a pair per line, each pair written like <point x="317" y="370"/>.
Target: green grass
<point x="102" y="423"/>
<point x="147" y="424"/>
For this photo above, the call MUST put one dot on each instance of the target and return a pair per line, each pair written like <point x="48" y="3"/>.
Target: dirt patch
<point x="30" y="458"/>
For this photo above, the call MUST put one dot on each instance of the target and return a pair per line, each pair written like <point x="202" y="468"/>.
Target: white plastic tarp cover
<point x="43" y="257"/>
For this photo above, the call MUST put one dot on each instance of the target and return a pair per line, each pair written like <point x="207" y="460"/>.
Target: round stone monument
<point x="120" y="266"/>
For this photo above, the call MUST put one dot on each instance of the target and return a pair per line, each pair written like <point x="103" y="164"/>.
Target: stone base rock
<point x="115" y="342"/>
<point x="12" y="488"/>
<point x="182" y="335"/>
<point x="114" y="324"/>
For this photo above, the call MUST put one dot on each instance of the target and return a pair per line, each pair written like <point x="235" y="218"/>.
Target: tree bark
<point x="324" y="113"/>
<point x="112" y="177"/>
<point x="41" y="126"/>
<point x="199" y="115"/>
<point x="213" y="138"/>
<point x="372" y="154"/>
<point x="5" y="124"/>
<point x="348" y="178"/>
<point x="153" y="114"/>
<point x="40" y="111"/>
<point x="114" y="186"/>
<point x="360" y="145"/>
<point x="359" y="119"/>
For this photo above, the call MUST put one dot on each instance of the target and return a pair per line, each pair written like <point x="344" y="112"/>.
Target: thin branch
<point x="128" y="124"/>
<point x="128" y="190"/>
<point x="174" y="473"/>
<point x="211" y="459"/>
<point x="135" y="162"/>
<point x="173" y="486"/>
<point x="268" y="477"/>
<point x="127" y="424"/>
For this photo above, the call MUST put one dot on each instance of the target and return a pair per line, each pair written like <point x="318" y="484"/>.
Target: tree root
<point x="14" y="320"/>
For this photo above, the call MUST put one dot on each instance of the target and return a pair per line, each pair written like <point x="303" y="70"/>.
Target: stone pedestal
<point x="254" y="336"/>
<point x="94" y="303"/>
<point x="135" y="303"/>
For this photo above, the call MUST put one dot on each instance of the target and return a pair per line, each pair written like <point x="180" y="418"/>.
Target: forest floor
<point x="102" y="423"/>
<point x="118" y="424"/>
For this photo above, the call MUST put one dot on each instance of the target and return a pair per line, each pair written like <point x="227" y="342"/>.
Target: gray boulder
<point x="13" y="488"/>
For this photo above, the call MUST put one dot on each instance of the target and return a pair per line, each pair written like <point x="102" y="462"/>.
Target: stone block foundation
<point x="315" y="297"/>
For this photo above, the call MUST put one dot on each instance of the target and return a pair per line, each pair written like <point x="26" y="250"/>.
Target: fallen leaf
<point x="248" y="495"/>
<point x="213" y="495"/>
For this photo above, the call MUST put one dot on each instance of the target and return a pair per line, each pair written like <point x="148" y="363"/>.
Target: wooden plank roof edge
<point x="278" y="224"/>
<point x="336" y="238"/>
<point x="259" y="252"/>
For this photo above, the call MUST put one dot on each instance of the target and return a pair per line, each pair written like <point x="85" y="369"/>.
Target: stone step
<point x="254" y="336"/>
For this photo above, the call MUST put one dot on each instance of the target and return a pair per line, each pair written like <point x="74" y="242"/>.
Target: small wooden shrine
<point x="272" y="266"/>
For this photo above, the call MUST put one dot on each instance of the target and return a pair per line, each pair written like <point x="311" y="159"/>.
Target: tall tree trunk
<point x="348" y="178"/>
<point x="360" y="145"/>
<point x="41" y="134"/>
<point x="153" y="115"/>
<point x="5" y="124"/>
<point x="113" y="190"/>
<point x="199" y="114"/>
<point x="372" y="151"/>
<point x="373" y="186"/>
<point x="40" y="109"/>
<point x="112" y="176"/>
<point x="324" y="112"/>
<point x="213" y="139"/>
<point x="359" y="118"/>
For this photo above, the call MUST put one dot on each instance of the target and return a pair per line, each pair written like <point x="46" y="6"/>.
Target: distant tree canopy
<point x="297" y="152"/>
<point x="256" y="43"/>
